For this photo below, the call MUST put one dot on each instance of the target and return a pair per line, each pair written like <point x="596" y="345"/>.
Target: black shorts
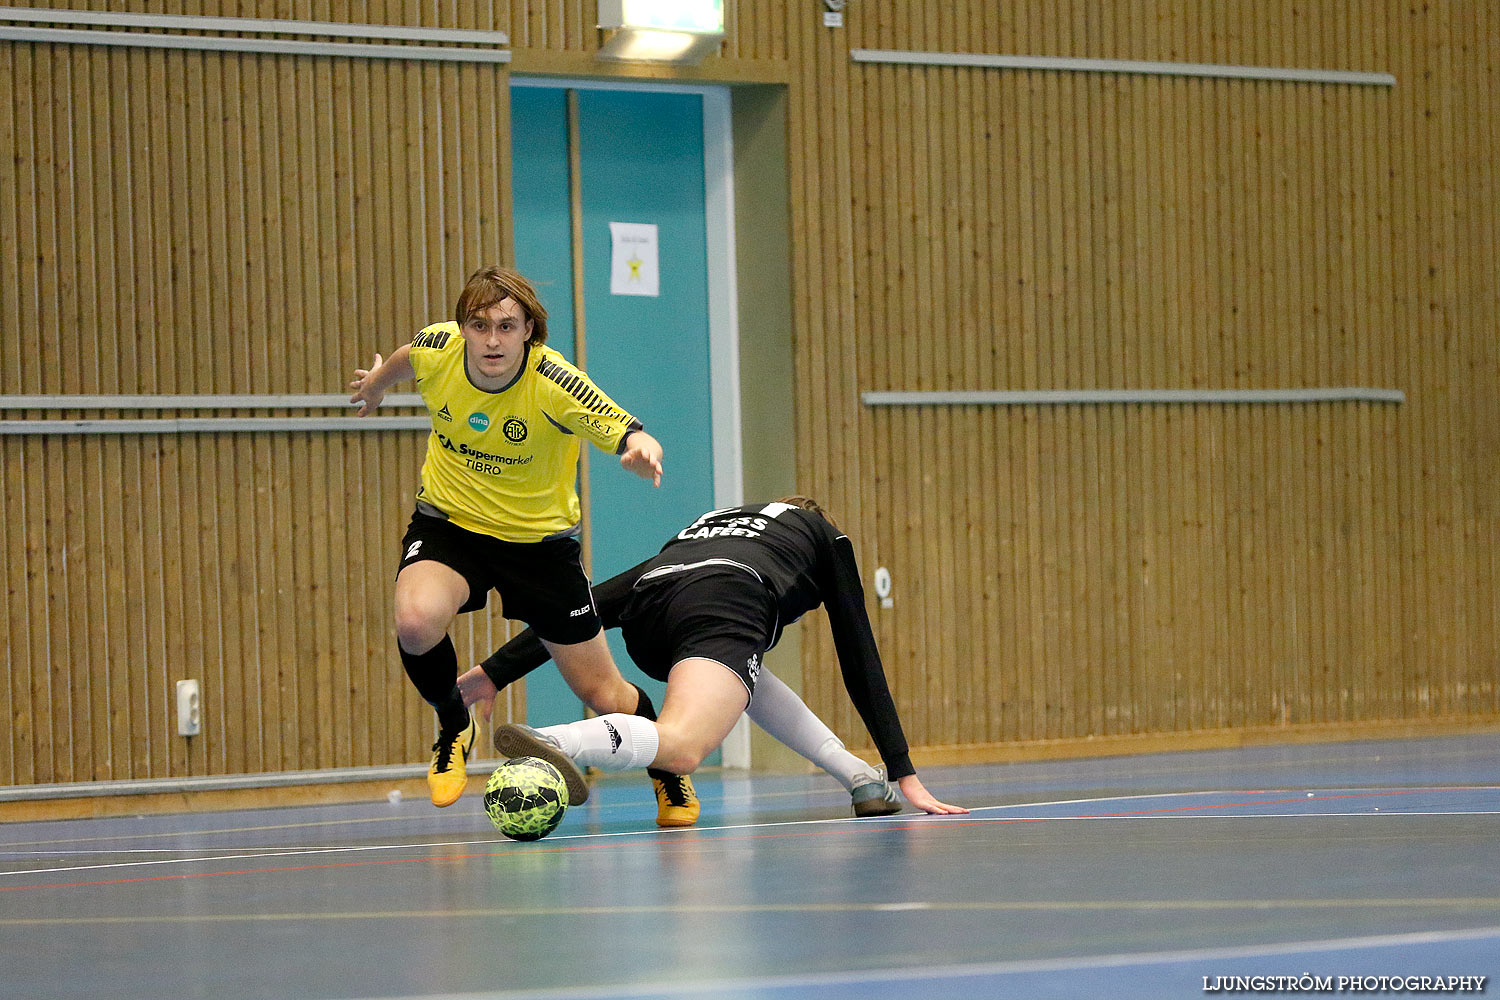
<point x="718" y="613"/>
<point x="540" y="583"/>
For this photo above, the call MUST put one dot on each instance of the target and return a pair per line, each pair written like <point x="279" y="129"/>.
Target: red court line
<point x="841" y="829"/>
<point x="1224" y="805"/>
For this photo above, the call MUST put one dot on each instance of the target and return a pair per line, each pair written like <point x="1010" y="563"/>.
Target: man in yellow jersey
<point x="496" y="506"/>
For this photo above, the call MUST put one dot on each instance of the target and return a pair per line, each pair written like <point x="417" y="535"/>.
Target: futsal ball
<point x="526" y="798"/>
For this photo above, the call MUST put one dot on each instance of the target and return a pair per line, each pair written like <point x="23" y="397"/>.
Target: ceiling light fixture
<point x="675" y="31"/>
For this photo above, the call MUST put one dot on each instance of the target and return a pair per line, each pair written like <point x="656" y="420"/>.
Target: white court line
<point x="661" y="833"/>
<point x="1193" y="816"/>
<point x="749" y="797"/>
<point x="280" y="851"/>
<point x="294" y="853"/>
<point x="475" y="813"/>
<point x="116" y="850"/>
<point x="841" y="821"/>
<point x="575" y="836"/>
<point x="927" y="973"/>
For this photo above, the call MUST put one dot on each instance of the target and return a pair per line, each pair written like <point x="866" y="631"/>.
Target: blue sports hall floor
<point x="1145" y="876"/>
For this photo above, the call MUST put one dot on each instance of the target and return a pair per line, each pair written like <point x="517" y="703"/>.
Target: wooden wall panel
<point x="187" y="222"/>
<point x="1160" y="569"/>
<point x="190" y="222"/>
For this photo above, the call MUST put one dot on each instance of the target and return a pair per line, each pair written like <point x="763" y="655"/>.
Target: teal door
<point x="642" y="161"/>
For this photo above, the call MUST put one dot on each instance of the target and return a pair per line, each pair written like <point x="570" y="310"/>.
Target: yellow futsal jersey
<point x="503" y="462"/>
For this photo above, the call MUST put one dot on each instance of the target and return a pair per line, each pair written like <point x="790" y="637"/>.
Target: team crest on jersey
<point x="444" y="414"/>
<point x="479" y="421"/>
<point x="514" y="429"/>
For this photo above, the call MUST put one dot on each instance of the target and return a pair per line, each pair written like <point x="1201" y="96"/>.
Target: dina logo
<point x="479" y="421"/>
<point x="514" y="429"/>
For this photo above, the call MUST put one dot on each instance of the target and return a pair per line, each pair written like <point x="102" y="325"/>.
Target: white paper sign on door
<point x="633" y="269"/>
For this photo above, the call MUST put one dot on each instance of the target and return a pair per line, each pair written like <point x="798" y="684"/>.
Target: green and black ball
<point x="526" y="798"/>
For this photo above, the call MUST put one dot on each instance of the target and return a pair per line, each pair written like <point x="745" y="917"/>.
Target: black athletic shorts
<point x="540" y="583"/>
<point x="719" y="613"/>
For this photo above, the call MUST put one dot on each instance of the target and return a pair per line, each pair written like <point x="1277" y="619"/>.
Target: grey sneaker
<point x="514" y="740"/>
<point x="875" y="797"/>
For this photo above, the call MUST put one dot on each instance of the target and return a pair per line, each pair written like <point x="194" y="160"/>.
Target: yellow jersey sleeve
<point x="579" y="405"/>
<point x="434" y="348"/>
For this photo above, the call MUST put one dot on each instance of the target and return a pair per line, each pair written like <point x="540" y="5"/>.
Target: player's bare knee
<point x="417" y="630"/>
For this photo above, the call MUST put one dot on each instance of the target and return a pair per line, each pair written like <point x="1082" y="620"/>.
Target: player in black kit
<point x="700" y="615"/>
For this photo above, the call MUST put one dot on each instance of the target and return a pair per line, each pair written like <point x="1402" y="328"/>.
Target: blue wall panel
<point x="539" y="185"/>
<point x="642" y="161"/>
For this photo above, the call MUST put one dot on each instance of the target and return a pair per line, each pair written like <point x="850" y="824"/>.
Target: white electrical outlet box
<point x="883" y="587"/>
<point x="189" y="709"/>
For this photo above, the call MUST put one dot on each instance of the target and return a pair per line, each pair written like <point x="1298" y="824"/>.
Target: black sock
<point x="435" y="674"/>
<point x="646" y="710"/>
<point x="643" y="706"/>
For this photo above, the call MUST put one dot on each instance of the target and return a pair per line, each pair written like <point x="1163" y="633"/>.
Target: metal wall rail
<point x="206" y="425"/>
<point x="1135" y="66"/>
<point x="1068" y="397"/>
<point x="213" y="425"/>
<point x="208" y="783"/>
<point x="272" y="26"/>
<point x="221" y="401"/>
<point x="407" y="42"/>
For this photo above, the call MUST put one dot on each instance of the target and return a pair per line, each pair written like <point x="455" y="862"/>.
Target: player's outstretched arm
<point x="369" y="384"/>
<point x="642" y="455"/>
<point x="922" y="799"/>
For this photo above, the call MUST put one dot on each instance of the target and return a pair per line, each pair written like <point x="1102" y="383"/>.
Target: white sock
<point x="613" y="742"/>
<point x="777" y="709"/>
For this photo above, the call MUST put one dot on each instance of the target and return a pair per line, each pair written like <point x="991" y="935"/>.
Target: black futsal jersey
<point x="804" y="562"/>
<point x="797" y="554"/>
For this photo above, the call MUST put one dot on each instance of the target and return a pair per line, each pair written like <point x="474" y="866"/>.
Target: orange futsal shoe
<point x="449" y="773"/>
<point x="676" y="799"/>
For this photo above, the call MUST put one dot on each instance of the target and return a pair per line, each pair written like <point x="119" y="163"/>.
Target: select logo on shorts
<point x="514" y="429"/>
<point x="479" y="421"/>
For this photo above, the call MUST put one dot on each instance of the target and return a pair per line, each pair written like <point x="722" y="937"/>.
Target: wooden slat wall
<point x="1077" y="572"/>
<point x="231" y="223"/>
<point x="185" y="222"/>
